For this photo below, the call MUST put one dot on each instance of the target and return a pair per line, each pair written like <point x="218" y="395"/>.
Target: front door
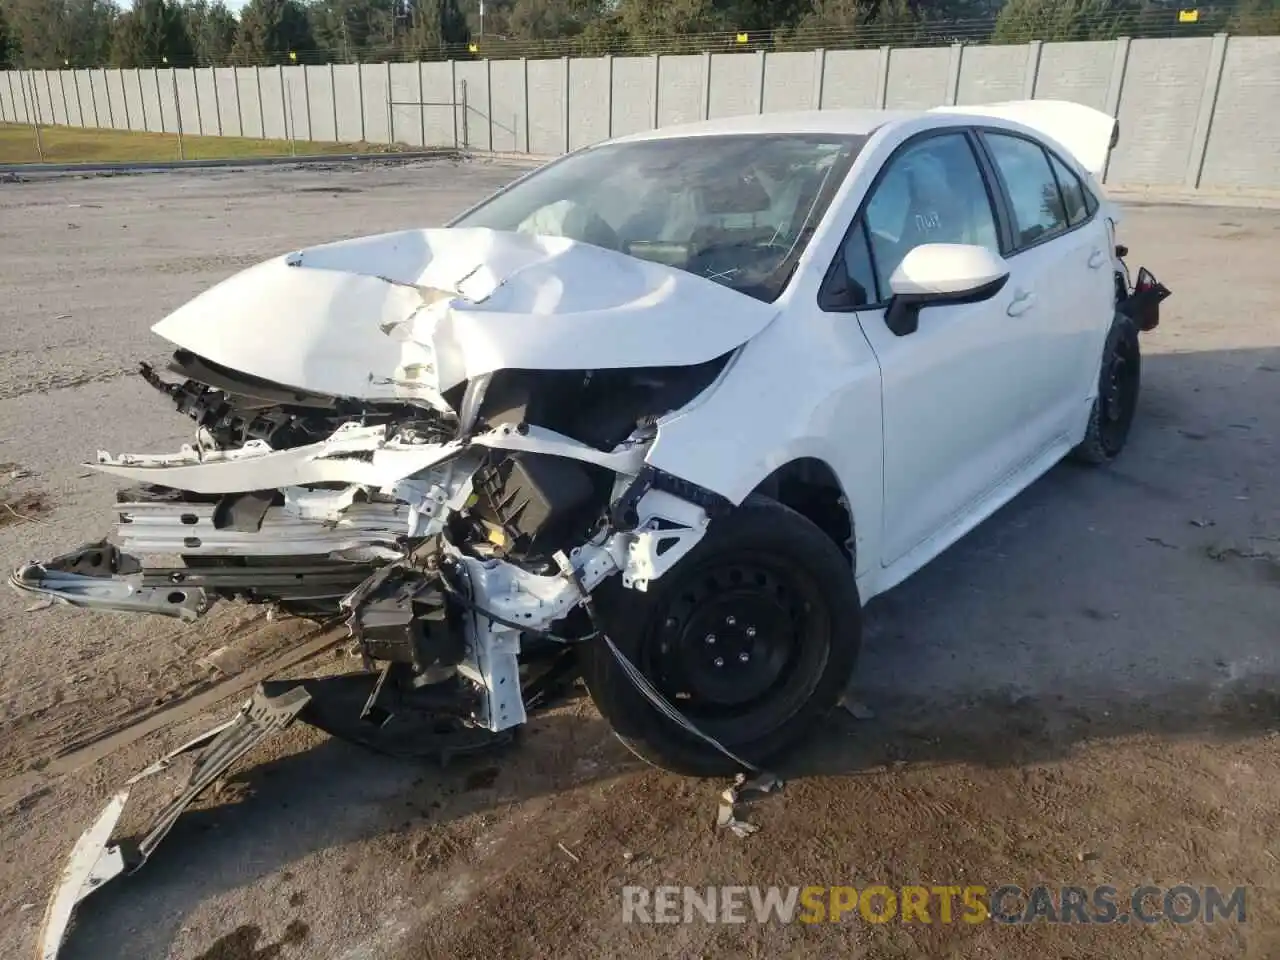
<point x="954" y="420"/>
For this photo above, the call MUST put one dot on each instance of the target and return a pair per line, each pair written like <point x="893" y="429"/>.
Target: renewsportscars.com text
<point x="1007" y="904"/>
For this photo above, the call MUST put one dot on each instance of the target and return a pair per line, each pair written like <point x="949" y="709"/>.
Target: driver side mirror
<point x="942" y="274"/>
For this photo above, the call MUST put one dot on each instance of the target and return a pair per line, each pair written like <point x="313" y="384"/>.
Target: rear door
<point x="1059" y="247"/>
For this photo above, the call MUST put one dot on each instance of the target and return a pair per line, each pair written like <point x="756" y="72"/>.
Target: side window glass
<point x="932" y="192"/>
<point x="857" y="266"/>
<point x="1073" y="201"/>
<point x="1038" y="209"/>
<point x="1090" y="202"/>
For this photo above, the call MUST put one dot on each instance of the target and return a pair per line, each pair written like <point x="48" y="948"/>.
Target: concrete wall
<point x="1196" y="113"/>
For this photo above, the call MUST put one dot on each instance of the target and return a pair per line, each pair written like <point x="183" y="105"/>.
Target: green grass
<point x="78" y="145"/>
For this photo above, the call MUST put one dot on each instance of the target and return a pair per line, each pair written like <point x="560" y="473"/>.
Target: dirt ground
<point x="1084" y="691"/>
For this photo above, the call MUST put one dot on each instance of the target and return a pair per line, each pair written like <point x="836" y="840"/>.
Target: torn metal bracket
<point x="94" y="862"/>
<point x="118" y="594"/>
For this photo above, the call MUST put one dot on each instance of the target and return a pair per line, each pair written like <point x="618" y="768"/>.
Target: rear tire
<point x="1119" y="382"/>
<point x="752" y="637"/>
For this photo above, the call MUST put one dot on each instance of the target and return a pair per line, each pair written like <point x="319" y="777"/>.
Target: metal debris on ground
<point x="744" y="791"/>
<point x="95" y="860"/>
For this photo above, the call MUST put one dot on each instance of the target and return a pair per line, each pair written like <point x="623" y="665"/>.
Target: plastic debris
<point x="742" y="792"/>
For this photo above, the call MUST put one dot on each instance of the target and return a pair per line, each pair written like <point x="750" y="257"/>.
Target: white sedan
<point x="664" y="413"/>
<point x="669" y="409"/>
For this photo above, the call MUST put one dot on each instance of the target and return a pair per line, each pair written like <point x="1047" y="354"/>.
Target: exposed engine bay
<point x="454" y="547"/>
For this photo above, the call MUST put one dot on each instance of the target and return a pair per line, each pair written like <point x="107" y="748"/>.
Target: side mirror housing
<point x="941" y="274"/>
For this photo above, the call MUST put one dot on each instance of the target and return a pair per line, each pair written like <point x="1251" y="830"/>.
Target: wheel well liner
<point x="809" y="486"/>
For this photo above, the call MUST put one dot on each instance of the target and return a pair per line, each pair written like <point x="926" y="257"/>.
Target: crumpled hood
<point x="410" y="314"/>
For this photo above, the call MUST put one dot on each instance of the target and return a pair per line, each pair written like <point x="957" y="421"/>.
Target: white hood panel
<point x="409" y="314"/>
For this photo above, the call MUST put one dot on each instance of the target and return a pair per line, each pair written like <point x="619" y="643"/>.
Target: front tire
<point x="752" y="637"/>
<point x="1119" y="382"/>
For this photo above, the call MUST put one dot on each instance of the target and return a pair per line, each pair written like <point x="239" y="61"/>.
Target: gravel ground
<point x="1082" y="691"/>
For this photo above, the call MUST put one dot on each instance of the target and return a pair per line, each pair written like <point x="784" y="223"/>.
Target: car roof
<point x="834" y="122"/>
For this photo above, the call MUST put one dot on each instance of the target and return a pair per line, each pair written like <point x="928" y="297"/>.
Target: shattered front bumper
<point x="352" y="525"/>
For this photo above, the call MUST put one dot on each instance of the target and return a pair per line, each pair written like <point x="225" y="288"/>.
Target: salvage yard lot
<point x="1084" y="691"/>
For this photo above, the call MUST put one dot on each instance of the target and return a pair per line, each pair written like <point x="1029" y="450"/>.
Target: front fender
<point x="808" y="387"/>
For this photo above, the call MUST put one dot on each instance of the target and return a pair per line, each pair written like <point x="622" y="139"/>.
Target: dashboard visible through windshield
<point x="737" y="209"/>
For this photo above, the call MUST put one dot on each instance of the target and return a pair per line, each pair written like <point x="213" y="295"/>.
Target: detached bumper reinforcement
<point x="94" y="860"/>
<point x="98" y="576"/>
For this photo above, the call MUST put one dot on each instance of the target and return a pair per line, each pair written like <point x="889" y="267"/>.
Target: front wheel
<point x="1117" y="400"/>
<point x="752" y="637"/>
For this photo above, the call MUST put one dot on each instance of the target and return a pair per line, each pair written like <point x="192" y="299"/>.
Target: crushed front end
<point x="458" y="548"/>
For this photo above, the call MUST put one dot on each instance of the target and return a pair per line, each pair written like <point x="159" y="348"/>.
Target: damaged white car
<point x="664" y="414"/>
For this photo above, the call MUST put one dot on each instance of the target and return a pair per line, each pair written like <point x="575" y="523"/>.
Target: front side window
<point x="931" y="192"/>
<point x="1038" y="208"/>
<point x="737" y="209"/>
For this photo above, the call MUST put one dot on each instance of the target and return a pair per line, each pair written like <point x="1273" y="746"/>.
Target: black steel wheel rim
<point x="1118" y="396"/>
<point x="738" y="640"/>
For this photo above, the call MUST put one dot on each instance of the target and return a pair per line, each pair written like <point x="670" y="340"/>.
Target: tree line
<point x="44" y="34"/>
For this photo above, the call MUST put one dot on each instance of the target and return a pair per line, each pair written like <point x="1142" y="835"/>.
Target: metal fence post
<point x="524" y="87"/>
<point x="177" y="112"/>
<point x="568" y="117"/>
<point x="422" y="106"/>
<point x="882" y="77"/>
<point x="235" y="82"/>
<point x="195" y="86"/>
<point x="155" y="75"/>
<point x="284" y="105"/>
<point x="1208" y="106"/>
<point x="608" y="103"/>
<point x="953" y="74"/>
<point x="48" y="86"/>
<point x="1034" y="50"/>
<point x="466" y="119"/>
<point x="819" y="76"/>
<point x="763" y="58"/>
<point x="217" y="99"/>
<point x="1115" y="88"/>
<point x="62" y="86"/>
<point x="360" y="95"/>
<point x="706" y="84"/>
<point x="142" y="100"/>
<point x="75" y="79"/>
<point x="34" y="118"/>
<point x="333" y="97"/>
<point x="453" y="99"/>
<point x="488" y="93"/>
<point x="391" y="113"/>
<point x="124" y="97"/>
<point x="262" y="114"/>
<point x="12" y="97"/>
<point x="306" y="98"/>
<point x="291" y="131"/>
<point x="657" y="88"/>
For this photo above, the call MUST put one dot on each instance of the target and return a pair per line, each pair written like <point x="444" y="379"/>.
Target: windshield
<point x="737" y="209"/>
